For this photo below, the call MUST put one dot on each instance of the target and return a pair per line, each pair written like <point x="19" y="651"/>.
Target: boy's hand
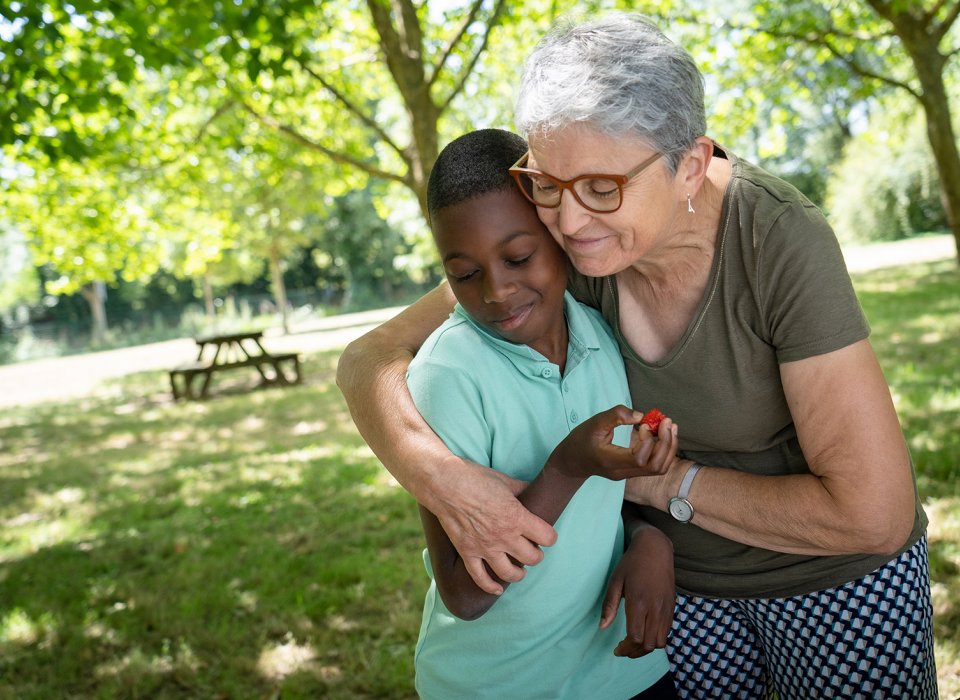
<point x="644" y="580"/>
<point x="588" y="450"/>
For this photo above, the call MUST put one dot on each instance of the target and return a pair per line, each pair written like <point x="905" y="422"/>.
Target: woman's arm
<point x="586" y="451"/>
<point x="476" y="507"/>
<point x="859" y="497"/>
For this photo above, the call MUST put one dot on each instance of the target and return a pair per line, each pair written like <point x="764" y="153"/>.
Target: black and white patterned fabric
<point x="871" y="638"/>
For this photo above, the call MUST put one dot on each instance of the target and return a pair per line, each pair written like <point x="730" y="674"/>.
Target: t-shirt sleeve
<point x="450" y="401"/>
<point x="806" y="295"/>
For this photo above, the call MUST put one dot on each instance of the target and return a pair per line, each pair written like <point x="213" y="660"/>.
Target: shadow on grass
<point x="250" y="546"/>
<point x="229" y="548"/>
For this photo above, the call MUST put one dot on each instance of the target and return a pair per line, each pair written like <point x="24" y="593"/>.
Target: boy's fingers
<point x="617" y="416"/>
<point x="611" y="602"/>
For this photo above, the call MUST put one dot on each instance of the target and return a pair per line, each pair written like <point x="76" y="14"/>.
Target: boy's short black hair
<point x="472" y="165"/>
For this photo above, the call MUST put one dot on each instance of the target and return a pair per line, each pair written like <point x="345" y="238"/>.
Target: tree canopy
<point x="182" y="135"/>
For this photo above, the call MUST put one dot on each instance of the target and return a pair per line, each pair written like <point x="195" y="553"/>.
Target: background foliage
<point x="216" y="148"/>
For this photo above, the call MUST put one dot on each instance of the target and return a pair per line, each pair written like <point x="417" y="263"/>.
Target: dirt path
<point x="58" y="378"/>
<point x="28" y="383"/>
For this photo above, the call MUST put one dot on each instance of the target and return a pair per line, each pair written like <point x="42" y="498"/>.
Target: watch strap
<point x="688" y="481"/>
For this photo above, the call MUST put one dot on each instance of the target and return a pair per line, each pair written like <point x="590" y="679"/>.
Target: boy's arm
<point x="550" y="492"/>
<point x="475" y="505"/>
<point x="546" y="496"/>
<point x="644" y="579"/>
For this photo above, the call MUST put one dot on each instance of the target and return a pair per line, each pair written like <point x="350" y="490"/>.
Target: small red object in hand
<point x="652" y="419"/>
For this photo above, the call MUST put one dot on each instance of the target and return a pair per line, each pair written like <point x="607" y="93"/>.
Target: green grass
<point x="914" y="312"/>
<point x="234" y="548"/>
<point x="251" y="546"/>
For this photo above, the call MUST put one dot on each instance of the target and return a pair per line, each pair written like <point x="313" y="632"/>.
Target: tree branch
<point x="865" y="72"/>
<point x="454" y="40"/>
<point x="402" y="57"/>
<point x="461" y="83"/>
<point x="352" y="108"/>
<point x="335" y="156"/>
<point x="948" y="21"/>
<point x="815" y="39"/>
<point x="219" y="112"/>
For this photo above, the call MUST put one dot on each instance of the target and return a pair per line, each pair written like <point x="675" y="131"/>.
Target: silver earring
<point x="690" y="208"/>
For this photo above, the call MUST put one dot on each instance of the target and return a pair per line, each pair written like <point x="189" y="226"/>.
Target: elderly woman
<point x="799" y="542"/>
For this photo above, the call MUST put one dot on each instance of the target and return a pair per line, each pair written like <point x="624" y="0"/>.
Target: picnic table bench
<point x="221" y="353"/>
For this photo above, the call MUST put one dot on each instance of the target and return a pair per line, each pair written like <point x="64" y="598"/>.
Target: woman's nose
<point x="571" y="216"/>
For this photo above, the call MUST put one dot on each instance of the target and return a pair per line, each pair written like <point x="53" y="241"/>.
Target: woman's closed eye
<point x="602" y="188"/>
<point x="545" y="186"/>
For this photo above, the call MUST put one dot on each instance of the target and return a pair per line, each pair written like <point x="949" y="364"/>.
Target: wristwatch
<point x="679" y="506"/>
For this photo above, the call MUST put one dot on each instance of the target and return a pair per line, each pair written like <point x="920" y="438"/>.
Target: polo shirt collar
<point x="582" y="340"/>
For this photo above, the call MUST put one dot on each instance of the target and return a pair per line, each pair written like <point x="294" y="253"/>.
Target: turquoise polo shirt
<point x="506" y="406"/>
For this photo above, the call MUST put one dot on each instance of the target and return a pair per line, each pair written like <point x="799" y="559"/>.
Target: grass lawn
<point x="250" y="546"/>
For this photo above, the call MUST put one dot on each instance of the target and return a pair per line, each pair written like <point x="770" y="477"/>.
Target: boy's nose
<point x="497" y="287"/>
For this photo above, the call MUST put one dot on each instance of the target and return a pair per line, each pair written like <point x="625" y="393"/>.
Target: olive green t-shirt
<point x="778" y="291"/>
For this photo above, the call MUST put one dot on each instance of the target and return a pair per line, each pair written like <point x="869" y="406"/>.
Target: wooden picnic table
<point x="219" y="353"/>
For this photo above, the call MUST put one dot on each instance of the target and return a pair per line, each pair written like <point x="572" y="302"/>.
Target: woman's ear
<point x="693" y="167"/>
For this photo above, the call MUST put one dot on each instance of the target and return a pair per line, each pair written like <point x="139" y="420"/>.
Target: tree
<point x="886" y="44"/>
<point x="364" y="84"/>
<point x="86" y="225"/>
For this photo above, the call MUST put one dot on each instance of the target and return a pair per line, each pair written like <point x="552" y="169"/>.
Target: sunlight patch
<point x="48" y="519"/>
<point x="136" y="663"/>
<point x="17" y="628"/>
<point x="251" y="423"/>
<point x="119" y="442"/>
<point x="305" y="428"/>
<point x="944" y="516"/>
<point x="341" y="624"/>
<point x="278" y="662"/>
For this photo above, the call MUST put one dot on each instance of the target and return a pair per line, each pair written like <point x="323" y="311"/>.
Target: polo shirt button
<point x="546" y="372"/>
<point x="574" y="417"/>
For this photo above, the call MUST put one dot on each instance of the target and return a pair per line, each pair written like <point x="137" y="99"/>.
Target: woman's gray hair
<point x="618" y="75"/>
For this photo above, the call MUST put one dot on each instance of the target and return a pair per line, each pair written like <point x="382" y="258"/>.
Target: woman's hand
<point x="644" y="580"/>
<point x="487" y="524"/>
<point x="589" y="450"/>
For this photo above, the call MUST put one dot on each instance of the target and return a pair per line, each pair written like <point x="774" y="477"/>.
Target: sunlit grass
<point x="238" y="547"/>
<point x="914" y="312"/>
<point x="251" y="546"/>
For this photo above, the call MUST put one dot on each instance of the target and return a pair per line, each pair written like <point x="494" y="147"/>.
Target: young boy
<point x="497" y="383"/>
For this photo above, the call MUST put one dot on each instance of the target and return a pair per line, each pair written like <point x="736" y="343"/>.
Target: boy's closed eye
<point x="467" y="275"/>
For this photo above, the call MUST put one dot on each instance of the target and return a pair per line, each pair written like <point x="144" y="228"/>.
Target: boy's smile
<point x="505" y="269"/>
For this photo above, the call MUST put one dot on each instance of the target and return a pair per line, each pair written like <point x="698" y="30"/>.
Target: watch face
<point x="681" y="509"/>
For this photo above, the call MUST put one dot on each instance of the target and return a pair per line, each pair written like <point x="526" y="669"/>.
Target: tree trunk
<point x="95" y="294"/>
<point x="208" y="297"/>
<point x="943" y="141"/>
<point x="921" y="37"/>
<point x="279" y="288"/>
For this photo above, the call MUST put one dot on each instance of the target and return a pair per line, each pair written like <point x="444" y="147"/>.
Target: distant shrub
<point x="885" y="187"/>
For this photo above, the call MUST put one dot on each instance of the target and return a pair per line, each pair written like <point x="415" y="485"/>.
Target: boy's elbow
<point x="467" y="607"/>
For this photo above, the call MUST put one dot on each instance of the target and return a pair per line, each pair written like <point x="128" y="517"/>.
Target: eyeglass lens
<point x="598" y="194"/>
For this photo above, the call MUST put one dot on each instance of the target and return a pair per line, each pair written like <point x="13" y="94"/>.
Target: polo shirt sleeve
<point x="450" y="400"/>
